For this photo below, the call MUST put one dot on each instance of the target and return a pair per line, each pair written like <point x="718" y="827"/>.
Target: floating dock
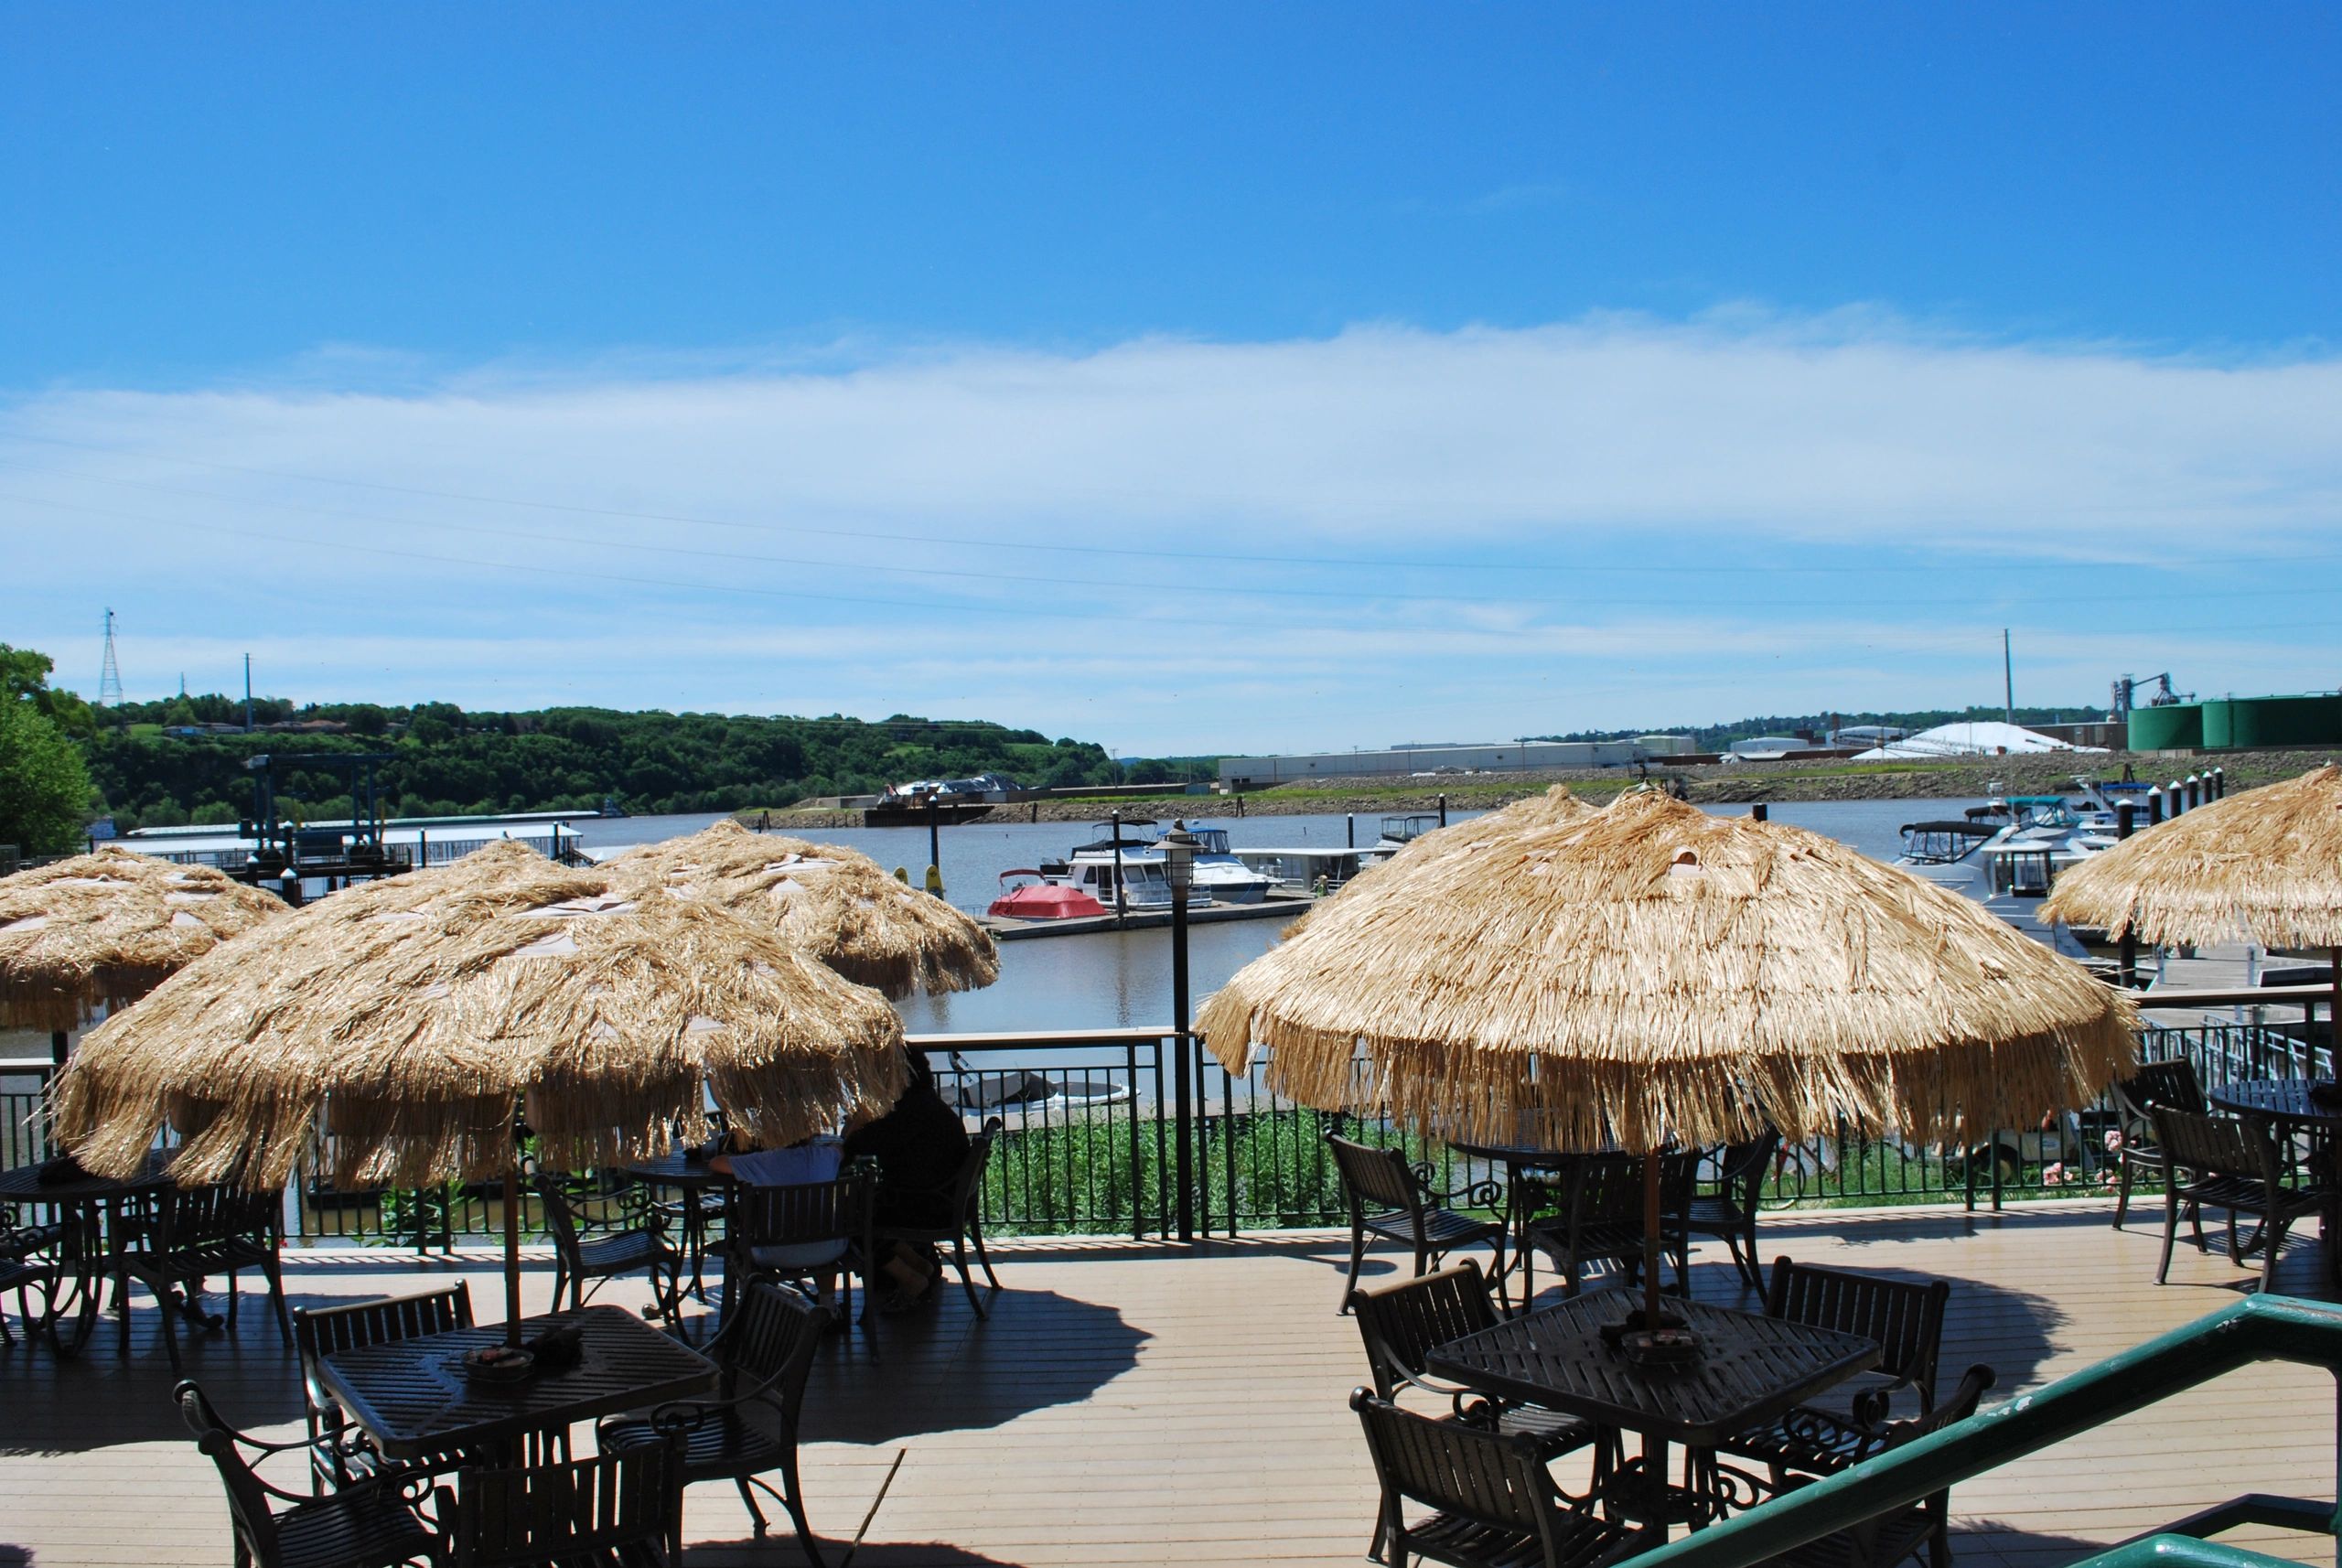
<point x="1277" y="906"/>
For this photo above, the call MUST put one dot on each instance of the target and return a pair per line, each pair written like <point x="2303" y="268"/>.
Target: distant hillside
<point x="156" y="765"/>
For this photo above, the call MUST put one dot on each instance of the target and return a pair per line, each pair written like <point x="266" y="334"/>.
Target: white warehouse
<point x="1497" y="756"/>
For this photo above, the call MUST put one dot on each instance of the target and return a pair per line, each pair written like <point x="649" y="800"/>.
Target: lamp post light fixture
<point x="1179" y="848"/>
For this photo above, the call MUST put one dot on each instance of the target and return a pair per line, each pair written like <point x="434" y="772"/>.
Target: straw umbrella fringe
<point x="1651" y="973"/>
<point x="837" y="904"/>
<point x="2264" y="865"/>
<point x="101" y="930"/>
<point x="411" y="1018"/>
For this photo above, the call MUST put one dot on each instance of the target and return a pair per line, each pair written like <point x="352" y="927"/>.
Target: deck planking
<point x="1128" y="1405"/>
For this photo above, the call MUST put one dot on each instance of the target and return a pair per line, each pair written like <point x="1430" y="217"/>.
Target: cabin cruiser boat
<point x="1220" y="874"/>
<point x="1398" y="832"/>
<point x="1123" y="871"/>
<point x="2043" y="836"/>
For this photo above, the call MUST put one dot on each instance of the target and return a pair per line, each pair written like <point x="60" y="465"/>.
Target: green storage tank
<point x="2220" y="722"/>
<point x="2278" y="721"/>
<point x="2174" y="727"/>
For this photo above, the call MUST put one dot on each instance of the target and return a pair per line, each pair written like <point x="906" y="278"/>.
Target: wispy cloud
<point x="484" y="514"/>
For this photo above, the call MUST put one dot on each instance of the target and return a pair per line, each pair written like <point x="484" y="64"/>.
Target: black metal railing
<point x="1087" y="1134"/>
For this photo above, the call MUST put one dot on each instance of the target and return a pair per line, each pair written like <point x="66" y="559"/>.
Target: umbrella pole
<point x="512" y="1249"/>
<point x="1650" y="1240"/>
<point x="2334" y="1005"/>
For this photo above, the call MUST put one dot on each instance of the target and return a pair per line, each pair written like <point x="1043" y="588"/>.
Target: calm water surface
<point x="1114" y="979"/>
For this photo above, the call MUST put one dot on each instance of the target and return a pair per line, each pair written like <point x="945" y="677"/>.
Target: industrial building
<point x="2238" y="723"/>
<point x="1496" y="756"/>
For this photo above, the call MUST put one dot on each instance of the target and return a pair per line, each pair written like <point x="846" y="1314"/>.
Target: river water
<point x="1110" y="980"/>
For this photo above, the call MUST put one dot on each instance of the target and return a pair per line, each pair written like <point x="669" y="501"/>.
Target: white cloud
<point x="326" y="519"/>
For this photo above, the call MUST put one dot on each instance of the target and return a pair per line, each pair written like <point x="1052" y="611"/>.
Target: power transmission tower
<point x="110" y="677"/>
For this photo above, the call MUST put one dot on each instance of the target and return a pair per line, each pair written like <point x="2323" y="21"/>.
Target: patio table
<point x="414" y="1399"/>
<point x="1753" y="1367"/>
<point x="91" y="1224"/>
<point x="688" y="1173"/>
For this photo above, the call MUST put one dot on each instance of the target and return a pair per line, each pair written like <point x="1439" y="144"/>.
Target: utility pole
<point x="2008" y="677"/>
<point x="247" y="694"/>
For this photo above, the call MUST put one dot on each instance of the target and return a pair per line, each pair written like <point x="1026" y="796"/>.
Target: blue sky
<point x="1194" y="379"/>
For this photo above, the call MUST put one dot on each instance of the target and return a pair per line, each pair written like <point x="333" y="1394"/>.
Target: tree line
<point x="64" y="763"/>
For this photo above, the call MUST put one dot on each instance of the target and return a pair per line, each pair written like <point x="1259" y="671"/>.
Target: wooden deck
<point x="1130" y="1404"/>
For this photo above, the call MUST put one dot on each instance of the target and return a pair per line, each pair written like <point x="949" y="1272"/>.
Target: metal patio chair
<point x="371" y="1523"/>
<point x="615" y="1510"/>
<point x="769" y="1230"/>
<point x="197" y="1233"/>
<point x="2172" y="1083"/>
<point x="2220" y="1161"/>
<point x="338" y="1453"/>
<point x="1401" y="1321"/>
<point x="1396" y="1202"/>
<point x="962" y="1199"/>
<point x="1903" y="1317"/>
<point x="1729" y="1213"/>
<point x="767" y="1351"/>
<point x="1887" y="1539"/>
<point x="1601" y="1217"/>
<point x="582" y="1252"/>
<point x="1492" y="1502"/>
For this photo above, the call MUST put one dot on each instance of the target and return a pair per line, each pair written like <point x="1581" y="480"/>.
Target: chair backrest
<point x="1377" y="1178"/>
<point x="1401" y="1321"/>
<point x="1607" y="1189"/>
<point x="1972" y="1388"/>
<point x="321" y="1331"/>
<point x="769" y="1346"/>
<point x="967" y="1181"/>
<point x="2215" y="1145"/>
<point x="630" y="1500"/>
<point x="799" y="1212"/>
<point x="188" y="1217"/>
<point x="1493" y="1477"/>
<point x="1904" y="1317"/>
<point x="1741" y="1168"/>
<point x="2172" y="1083"/>
<point x="561" y="1218"/>
<point x="248" y="1509"/>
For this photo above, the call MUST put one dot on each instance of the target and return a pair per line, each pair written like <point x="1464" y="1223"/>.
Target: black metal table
<point x="688" y="1173"/>
<point x="412" y="1398"/>
<point x="91" y="1227"/>
<point x="1753" y="1368"/>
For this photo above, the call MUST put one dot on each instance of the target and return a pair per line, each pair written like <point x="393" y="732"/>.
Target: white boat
<point x="1221" y="873"/>
<point x="1123" y="874"/>
<point x="2043" y="836"/>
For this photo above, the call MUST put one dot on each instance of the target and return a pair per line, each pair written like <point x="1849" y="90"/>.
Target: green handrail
<point x="2257" y="1328"/>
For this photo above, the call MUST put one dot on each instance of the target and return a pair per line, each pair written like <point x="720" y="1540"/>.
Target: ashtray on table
<point x="1659" y="1347"/>
<point x="500" y="1364"/>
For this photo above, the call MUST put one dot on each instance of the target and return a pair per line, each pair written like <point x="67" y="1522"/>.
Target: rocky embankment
<point x="2043" y="773"/>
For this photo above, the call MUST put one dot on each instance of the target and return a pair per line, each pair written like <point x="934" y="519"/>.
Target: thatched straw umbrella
<point x="2263" y="866"/>
<point x="1555" y="805"/>
<point x="837" y="904"/>
<point x="412" y="1020"/>
<point x="99" y="931"/>
<point x="1650" y="974"/>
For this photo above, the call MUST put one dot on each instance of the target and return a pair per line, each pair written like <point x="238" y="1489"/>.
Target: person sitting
<point x="918" y="1146"/>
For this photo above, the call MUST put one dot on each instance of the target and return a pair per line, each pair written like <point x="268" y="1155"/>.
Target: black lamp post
<point x="1179" y="848"/>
